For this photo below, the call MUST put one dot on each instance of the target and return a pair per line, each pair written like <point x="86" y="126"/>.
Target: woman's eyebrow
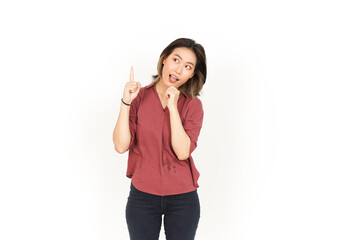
<point x="181" y="59"/>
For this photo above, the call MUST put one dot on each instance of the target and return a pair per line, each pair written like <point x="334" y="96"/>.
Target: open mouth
<point x="173" y="79"/>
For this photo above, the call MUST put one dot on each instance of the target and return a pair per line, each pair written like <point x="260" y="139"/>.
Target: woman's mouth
<point x="173" y="79"/>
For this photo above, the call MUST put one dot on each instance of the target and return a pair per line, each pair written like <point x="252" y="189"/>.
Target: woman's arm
<point x="121" y="134"/>
<point x="180" y="141"/>
<point x="184" y="137"/>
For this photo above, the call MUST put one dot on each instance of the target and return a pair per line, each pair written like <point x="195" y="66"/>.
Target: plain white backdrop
<point x="278" y="153"/>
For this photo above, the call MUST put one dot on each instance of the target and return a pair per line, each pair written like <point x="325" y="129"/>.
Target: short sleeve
<point x="193" y="122"/>
<point x="133" y="117"/>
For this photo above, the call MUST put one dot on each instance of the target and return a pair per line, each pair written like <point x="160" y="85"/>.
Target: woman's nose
<point x="178" y="69"/>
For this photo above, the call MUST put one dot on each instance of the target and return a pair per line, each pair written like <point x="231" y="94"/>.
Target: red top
<point x="153" y="164"/>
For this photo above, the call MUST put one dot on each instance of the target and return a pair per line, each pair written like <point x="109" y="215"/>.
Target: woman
<point x="159" y="124"/>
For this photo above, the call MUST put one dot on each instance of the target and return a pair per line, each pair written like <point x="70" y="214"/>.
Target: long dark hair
<point x="194" y="85"/>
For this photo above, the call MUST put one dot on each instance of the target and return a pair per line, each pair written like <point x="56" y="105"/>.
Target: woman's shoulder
<point x="194" y="101"/>
<point x="193" y="105"/>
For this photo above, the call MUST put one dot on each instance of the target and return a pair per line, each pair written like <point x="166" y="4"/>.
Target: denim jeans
<point x="144" y="215"/>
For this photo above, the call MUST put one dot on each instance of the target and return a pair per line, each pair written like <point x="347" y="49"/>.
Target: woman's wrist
<point x="126" y="102"/>
<point x="172" y="108"/>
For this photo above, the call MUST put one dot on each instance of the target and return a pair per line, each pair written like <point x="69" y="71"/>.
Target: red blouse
<point x="152" y="163"/>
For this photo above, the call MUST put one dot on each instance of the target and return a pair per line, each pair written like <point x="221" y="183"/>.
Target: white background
<point x="278" y="153"/>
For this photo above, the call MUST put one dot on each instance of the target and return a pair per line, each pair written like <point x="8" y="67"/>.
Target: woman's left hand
<point x="173" y="95"/>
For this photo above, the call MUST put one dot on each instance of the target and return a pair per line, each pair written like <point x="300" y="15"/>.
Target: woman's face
<point x="178" y="67"/>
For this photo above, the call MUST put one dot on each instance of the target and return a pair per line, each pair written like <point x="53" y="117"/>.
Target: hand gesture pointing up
<point x="131" y="89"/>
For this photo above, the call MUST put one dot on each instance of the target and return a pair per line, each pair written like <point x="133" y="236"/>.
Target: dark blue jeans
<point x="144" y="215"/>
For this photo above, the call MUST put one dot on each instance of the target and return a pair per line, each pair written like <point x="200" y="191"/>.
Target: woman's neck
<point x="160" y="89"/>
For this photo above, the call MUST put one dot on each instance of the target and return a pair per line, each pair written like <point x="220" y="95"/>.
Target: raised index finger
<point x="131" y="74"/>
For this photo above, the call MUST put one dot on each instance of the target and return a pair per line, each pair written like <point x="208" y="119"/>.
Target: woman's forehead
<point x="185" y="53"/>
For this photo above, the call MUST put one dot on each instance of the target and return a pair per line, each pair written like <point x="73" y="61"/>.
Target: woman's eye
<point x="176" y="60"/>
<point x="188" y="67"/>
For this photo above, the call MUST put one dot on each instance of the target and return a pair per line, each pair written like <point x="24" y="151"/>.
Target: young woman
<point x="159" y="124"/>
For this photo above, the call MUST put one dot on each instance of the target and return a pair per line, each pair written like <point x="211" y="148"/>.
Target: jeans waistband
<point x="149" y="194"/>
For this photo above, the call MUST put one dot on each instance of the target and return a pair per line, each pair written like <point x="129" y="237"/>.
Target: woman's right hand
<point x="131" y="89"/>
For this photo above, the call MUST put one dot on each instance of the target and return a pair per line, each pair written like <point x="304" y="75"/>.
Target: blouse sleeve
<point x="193" y="122"/>
<point x="133" y="118"/>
